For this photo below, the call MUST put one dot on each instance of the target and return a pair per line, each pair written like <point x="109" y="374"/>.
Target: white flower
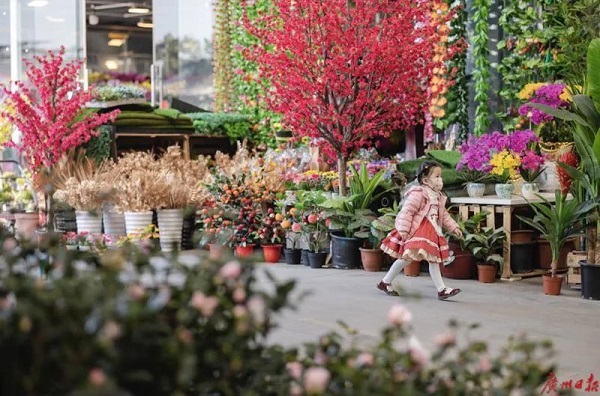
<point x="398" y="315"/>
<point x="159" y="263"/>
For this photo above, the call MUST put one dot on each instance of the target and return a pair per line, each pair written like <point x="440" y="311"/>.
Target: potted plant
<point x="51" y="116"/>
<point x="271" y="235"/>
<point x="244" y="227"/>
<point x="317" y="236"/>
<point x="585" y="115"/>
<point x="485" y="245"/>
<point x="557" y="223"/>
<point x="372" y="257"/>
<point x="475" y="182"/>
<point x="351" y="217"/>
<point x="463" y="266"/>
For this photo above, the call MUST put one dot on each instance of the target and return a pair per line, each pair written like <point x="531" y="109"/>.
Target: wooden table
<point x="492" y="204"/>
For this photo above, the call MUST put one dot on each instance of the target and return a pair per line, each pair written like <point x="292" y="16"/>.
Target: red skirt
<point x="425" y="244"/>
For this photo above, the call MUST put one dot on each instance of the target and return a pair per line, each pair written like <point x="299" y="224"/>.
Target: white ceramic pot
<point x="89" y="222"/>
<point x="529" y="190"/>
<point x="136" y="222"/>
<point x="504" y="191"/>
<point x="114" y="222"/>
<point x="170" y="226"/>
<point x="548" y="179"/>
<point x="475" y="190"/>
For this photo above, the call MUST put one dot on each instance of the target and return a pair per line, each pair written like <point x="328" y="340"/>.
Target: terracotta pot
<point x="521" y="236"/>
<point x="272" y="253"/>
<point x="372" y="259"/>
<point x="486" y="273"/>
<point x="463" y="267"/>
<point x="544" y="258"/>
<point x="413" y="269"/>
<point x="552" y="284"/>
<point x="244" y="251"/>
<point x="26" y="224"/>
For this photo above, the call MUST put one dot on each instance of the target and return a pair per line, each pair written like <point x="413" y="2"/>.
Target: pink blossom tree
<point x="346" y="71"/>
<point x="50" y="113"/>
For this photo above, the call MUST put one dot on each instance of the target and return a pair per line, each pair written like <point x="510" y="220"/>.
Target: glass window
<point x="4" y="42"/>
<point x="183" y="45"/>
<point x="47" y="25"/>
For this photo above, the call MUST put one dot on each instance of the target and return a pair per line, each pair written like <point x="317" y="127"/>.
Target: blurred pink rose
<point x="231" y="270"/>
<point x="398" y="315"/>
<point x="206" y="305"/>
<point x="97" y="377"/>
<point x="294" y="369"/>
<point x="316" y="380"/>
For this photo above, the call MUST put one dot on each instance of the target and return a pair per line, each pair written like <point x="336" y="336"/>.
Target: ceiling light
<point x="117" y="39"/>
<point x="145" y="25"/>
<point x="111" y="64"/>
<point x="138" y="10"/>
<point x="116" y="42"/>
<point x="37" y="3"/>
<point x="93" y="19"/>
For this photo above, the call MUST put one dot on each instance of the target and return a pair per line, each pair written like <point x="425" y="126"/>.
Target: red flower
<point x="569" y="158"/>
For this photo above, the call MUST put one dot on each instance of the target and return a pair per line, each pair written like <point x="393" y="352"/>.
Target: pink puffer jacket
<point x="415" y="208"/>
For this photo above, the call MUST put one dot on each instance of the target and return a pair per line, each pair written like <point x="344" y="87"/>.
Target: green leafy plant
<point x="382" y="225"/>
<point x="481" y="74"/>
<point x="558" y="221"/>
<point x="472" y="225"/>
<point x="485" y="245"/>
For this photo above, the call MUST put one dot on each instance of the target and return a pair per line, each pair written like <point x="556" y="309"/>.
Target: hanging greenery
<point x="456" y="107"/>
<point x="481" y="72"/>
<point x="572" y="25"/>
<point x="249" y="89"/>
<point x="222" y="67"/>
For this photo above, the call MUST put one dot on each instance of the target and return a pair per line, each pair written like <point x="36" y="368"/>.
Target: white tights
<point x="434" y="272"/>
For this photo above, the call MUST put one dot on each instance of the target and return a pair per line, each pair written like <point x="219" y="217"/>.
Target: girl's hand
<point x="458" y="233"/>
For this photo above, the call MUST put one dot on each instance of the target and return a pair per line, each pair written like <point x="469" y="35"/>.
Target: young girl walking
<point x="418" y="231"/>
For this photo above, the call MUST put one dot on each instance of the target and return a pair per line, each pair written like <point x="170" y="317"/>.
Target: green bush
<point x="98" y="147"/>
<point x="131" y="323"/>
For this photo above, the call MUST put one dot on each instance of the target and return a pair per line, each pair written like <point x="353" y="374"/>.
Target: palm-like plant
<point x="585" y="116"/>
<point x="559" y="221"/>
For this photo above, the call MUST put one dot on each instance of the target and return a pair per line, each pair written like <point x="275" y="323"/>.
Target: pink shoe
<point x="387" y="288"/>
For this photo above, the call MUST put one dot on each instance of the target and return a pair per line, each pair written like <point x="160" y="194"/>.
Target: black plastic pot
<point x="522" y="257"/>
<point x="345" y="251"/>
<point x="590" y="281"/>
<point x="304" y="257"/>
<point x="317" y="260"/>
<point x="292" y="256"/>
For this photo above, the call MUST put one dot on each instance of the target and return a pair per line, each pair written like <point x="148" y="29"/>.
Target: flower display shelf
<point x="505" y="206"/>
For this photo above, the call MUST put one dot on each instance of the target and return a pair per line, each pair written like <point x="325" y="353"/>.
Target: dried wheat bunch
<point x="84" y="195"/>
<point x="139" y="191"/>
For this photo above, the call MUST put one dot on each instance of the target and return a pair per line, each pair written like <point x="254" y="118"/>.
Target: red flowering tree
<point x="50" y="113"/>
<point x="346" y="71"/>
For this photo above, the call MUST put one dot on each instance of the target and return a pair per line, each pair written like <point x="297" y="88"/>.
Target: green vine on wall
<point x="481" y="72"/>
<point x="456" y="109"/>
<point x="222" y="67"/>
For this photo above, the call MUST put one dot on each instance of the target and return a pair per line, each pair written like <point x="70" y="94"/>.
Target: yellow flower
<point x="505" y="164"/>
<point x="529" y="89"/>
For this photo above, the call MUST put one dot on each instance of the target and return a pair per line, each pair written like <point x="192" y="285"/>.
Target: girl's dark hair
<point x="425" y="170"/>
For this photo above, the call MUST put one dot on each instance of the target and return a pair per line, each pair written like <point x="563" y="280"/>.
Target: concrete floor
<point x="501" y="309"/>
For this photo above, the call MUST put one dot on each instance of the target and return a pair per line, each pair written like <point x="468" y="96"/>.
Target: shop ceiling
<point x="119" y="14"/>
